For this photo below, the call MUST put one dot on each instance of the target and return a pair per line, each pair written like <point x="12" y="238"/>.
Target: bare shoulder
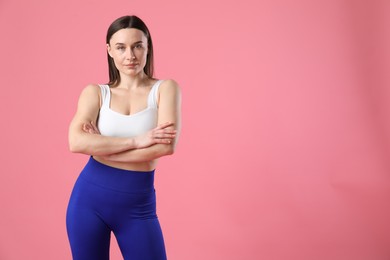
<point x="91" y="91"/>
<point x="169" y="85"/>
<point x="90" y="96"/>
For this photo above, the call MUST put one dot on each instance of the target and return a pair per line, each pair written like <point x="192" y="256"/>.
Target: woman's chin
<point x="131" y="72"/>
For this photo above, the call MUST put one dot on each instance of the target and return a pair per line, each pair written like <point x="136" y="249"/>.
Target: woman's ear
<point x="109" y="49"/>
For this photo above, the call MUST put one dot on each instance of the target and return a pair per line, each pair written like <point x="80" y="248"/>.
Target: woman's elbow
<point x="75" y="146"/>
<point x="73" y="140"/>
<point x="169" y="149"/>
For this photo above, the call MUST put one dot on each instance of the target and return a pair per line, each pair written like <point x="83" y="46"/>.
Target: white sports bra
<point x="112" y="123"/>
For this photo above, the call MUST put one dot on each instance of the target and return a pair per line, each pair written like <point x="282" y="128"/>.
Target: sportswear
<point x="112" y="123"/>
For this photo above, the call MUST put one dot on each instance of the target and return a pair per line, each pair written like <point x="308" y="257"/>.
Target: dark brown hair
<point x="129" y="21"/>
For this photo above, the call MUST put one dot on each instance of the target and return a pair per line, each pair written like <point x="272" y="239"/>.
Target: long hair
<point x="129" y="21"/>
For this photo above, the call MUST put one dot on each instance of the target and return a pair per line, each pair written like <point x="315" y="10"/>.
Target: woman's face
<point x="129" y="48"/>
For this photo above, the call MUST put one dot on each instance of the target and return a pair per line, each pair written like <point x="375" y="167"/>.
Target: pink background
<point x="284" y="153"/>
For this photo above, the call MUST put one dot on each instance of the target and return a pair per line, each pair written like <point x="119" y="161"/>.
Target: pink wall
<point x="285" y="148"/>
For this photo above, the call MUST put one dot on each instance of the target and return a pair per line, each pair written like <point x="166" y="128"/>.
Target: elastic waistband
<point x="118" y="179"/>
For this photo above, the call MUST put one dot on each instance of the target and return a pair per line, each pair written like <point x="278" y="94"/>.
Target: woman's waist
<point x="117" y="178"/>
<point x="129" y="166"/>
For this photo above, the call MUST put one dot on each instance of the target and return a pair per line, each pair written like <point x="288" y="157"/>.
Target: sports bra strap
<point x="153" y="97"/>
<point x="105" y="94"/>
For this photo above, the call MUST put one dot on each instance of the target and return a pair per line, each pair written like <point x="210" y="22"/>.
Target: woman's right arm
<point x="88" y="143"/>
<point x="92" y="143"/>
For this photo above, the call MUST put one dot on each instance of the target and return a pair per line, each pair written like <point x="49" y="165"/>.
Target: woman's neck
<point x="131" y="82"/>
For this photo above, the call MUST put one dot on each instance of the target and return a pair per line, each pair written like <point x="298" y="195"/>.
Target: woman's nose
<point x="130" y="54"/>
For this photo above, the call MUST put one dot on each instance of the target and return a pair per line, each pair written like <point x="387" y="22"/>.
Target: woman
<point x="125" y="126"/>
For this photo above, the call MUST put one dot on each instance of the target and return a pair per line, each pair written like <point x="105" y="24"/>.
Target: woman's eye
<point x="138" y="46"/>
<point x="121" y="48"/>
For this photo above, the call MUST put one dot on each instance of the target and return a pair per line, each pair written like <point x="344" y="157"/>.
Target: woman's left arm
<point x="169" y="110"/>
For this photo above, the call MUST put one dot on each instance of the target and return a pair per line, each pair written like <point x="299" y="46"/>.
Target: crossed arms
<point x="84" y="137"/>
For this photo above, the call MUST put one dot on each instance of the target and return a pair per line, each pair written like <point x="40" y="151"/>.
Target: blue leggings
<point x="106" y="199"/>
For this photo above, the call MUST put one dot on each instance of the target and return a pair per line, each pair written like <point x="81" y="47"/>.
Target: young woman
<point x="125" y="126"/>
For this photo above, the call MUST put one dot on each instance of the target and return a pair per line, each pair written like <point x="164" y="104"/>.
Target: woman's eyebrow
<point x="120" y="43"/>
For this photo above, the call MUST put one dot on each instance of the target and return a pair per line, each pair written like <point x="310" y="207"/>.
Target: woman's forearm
<point x="95" y="144"/>
<point x="89" y="141"/>
<point x="142" y="154"/>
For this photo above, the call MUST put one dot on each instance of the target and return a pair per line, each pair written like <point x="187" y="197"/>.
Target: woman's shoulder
<point x="92" y="87"/>
<point x="169" y="91"/>
<point x="90" y="91"/>
<point x="169" y="85"/>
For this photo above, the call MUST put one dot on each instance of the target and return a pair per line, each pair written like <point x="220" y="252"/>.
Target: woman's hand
<point x="158" y="135"/>
<point x="91" y="128"/>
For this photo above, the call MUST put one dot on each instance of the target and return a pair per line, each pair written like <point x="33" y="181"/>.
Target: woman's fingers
<point x="164" y="133"/>
<point x="86" y="128"/>
<point x="90" y="128"/>
<point x="164" y="125"/>
<point x="95" y="127"/>
<point x="163" y="141"/>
